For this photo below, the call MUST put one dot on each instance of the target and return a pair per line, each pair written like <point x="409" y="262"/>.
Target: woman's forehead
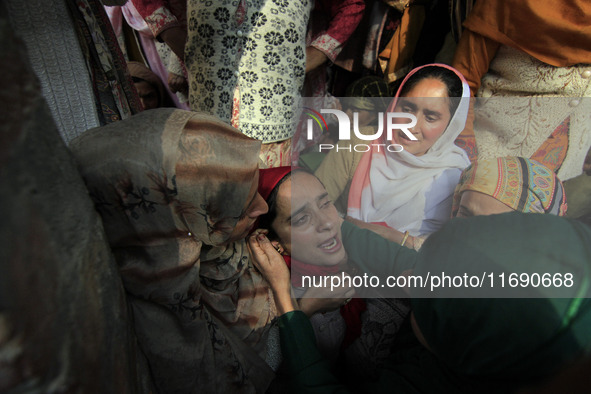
<point x="428" y="87"/>
<point x="299" y="187"/>
<point x="302" y="182"/>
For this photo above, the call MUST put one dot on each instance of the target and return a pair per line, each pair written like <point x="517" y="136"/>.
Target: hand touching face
<point x="273" y="268"/>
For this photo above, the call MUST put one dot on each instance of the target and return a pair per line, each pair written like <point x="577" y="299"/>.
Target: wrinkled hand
<point x="273" y="268"/>
<point x="323" y="299"/>
<point x="178" y="83"/>
<point x="268" y="261"/>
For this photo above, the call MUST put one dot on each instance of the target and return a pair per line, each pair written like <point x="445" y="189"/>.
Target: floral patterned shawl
<point x="170" y="186"/>
<point x="522" y="184"/>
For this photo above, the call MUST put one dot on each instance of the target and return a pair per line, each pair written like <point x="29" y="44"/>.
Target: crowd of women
<point x="215" y="215"/>
<point x="177" y="192"/>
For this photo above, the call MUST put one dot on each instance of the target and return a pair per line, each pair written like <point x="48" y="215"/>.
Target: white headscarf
<point x="410" y="192"/>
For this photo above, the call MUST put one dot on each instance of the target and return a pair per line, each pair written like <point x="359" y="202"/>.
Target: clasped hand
<point x="273" y="268"/>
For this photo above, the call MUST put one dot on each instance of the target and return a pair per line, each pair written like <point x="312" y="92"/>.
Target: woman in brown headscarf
<point x="177" y="192"/>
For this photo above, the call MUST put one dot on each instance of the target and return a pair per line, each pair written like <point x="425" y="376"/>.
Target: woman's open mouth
<point x="331" y="245"/>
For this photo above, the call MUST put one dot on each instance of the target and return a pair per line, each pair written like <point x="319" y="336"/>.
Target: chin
<point x="331" y="262"/>
<point x="342" y="260"/>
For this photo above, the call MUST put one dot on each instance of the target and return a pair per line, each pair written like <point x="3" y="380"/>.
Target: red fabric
<point x="161" y="15"/>
<point x="177" y="7"/>
<point x="147" y="7"/>
<point x="270" y="177"/>
<point x="351" y="313"/>
<point x="268" y="180"/>
<point x="337" y="19"/>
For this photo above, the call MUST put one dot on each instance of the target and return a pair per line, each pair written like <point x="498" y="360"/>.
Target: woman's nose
<point x="326" y="222"/>
<point x="259" y="207"/>
<point x="415" y="129"/>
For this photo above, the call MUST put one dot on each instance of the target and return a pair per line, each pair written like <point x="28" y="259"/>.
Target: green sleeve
<point x="410" y="368"/>
<point x="309" y="372"/>
<point x="375" y="255"/>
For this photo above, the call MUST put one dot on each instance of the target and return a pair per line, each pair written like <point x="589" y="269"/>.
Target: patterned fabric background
<point x="258" y="45"/>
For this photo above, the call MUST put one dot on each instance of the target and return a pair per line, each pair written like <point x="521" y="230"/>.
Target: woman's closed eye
<point x="464" y="212"/>
<point x="432" y="116"/>
<point x="300" y="220"/>
<point x="407" y="109"/>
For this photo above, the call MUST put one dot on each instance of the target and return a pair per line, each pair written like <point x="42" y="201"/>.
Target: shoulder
<point x="449" y="176"/>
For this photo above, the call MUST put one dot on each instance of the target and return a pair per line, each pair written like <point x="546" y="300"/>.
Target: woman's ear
<point x="278" y="247"/>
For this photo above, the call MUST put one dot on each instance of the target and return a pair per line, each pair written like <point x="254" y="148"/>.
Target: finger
<point x="278" y="247"/>
<point x="253" y="257"/>
<point x="260" y="231"/>
<point x="258" y="255"/>
<point x="266" y="245"/>
<point x="252" y="242"/>
<point x="255" y="238"/>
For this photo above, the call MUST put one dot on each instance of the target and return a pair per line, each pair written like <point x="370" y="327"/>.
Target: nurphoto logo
<point x="344" y="127"/>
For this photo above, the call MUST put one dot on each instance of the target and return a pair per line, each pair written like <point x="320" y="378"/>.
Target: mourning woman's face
<point x="307" y="223"/>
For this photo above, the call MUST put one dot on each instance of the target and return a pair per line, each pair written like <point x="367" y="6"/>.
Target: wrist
<point x="303" y="306"/>
<point x="308" y="306"/>
<point x="404" y="238"/>
<point x="284" y="302"/>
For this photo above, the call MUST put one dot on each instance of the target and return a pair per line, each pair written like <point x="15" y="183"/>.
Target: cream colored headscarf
<point x="407" y="192"/>
<point x="170" y="186"/>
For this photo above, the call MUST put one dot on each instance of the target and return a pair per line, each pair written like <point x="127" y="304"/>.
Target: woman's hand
<point x="178" y="83"/>
<point x="273" y="268"/>
<point x="324" y="299"/>
<point x="314" y="58"/>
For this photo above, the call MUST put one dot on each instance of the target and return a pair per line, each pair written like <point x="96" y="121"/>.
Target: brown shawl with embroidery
<point x="170" y="186"/>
